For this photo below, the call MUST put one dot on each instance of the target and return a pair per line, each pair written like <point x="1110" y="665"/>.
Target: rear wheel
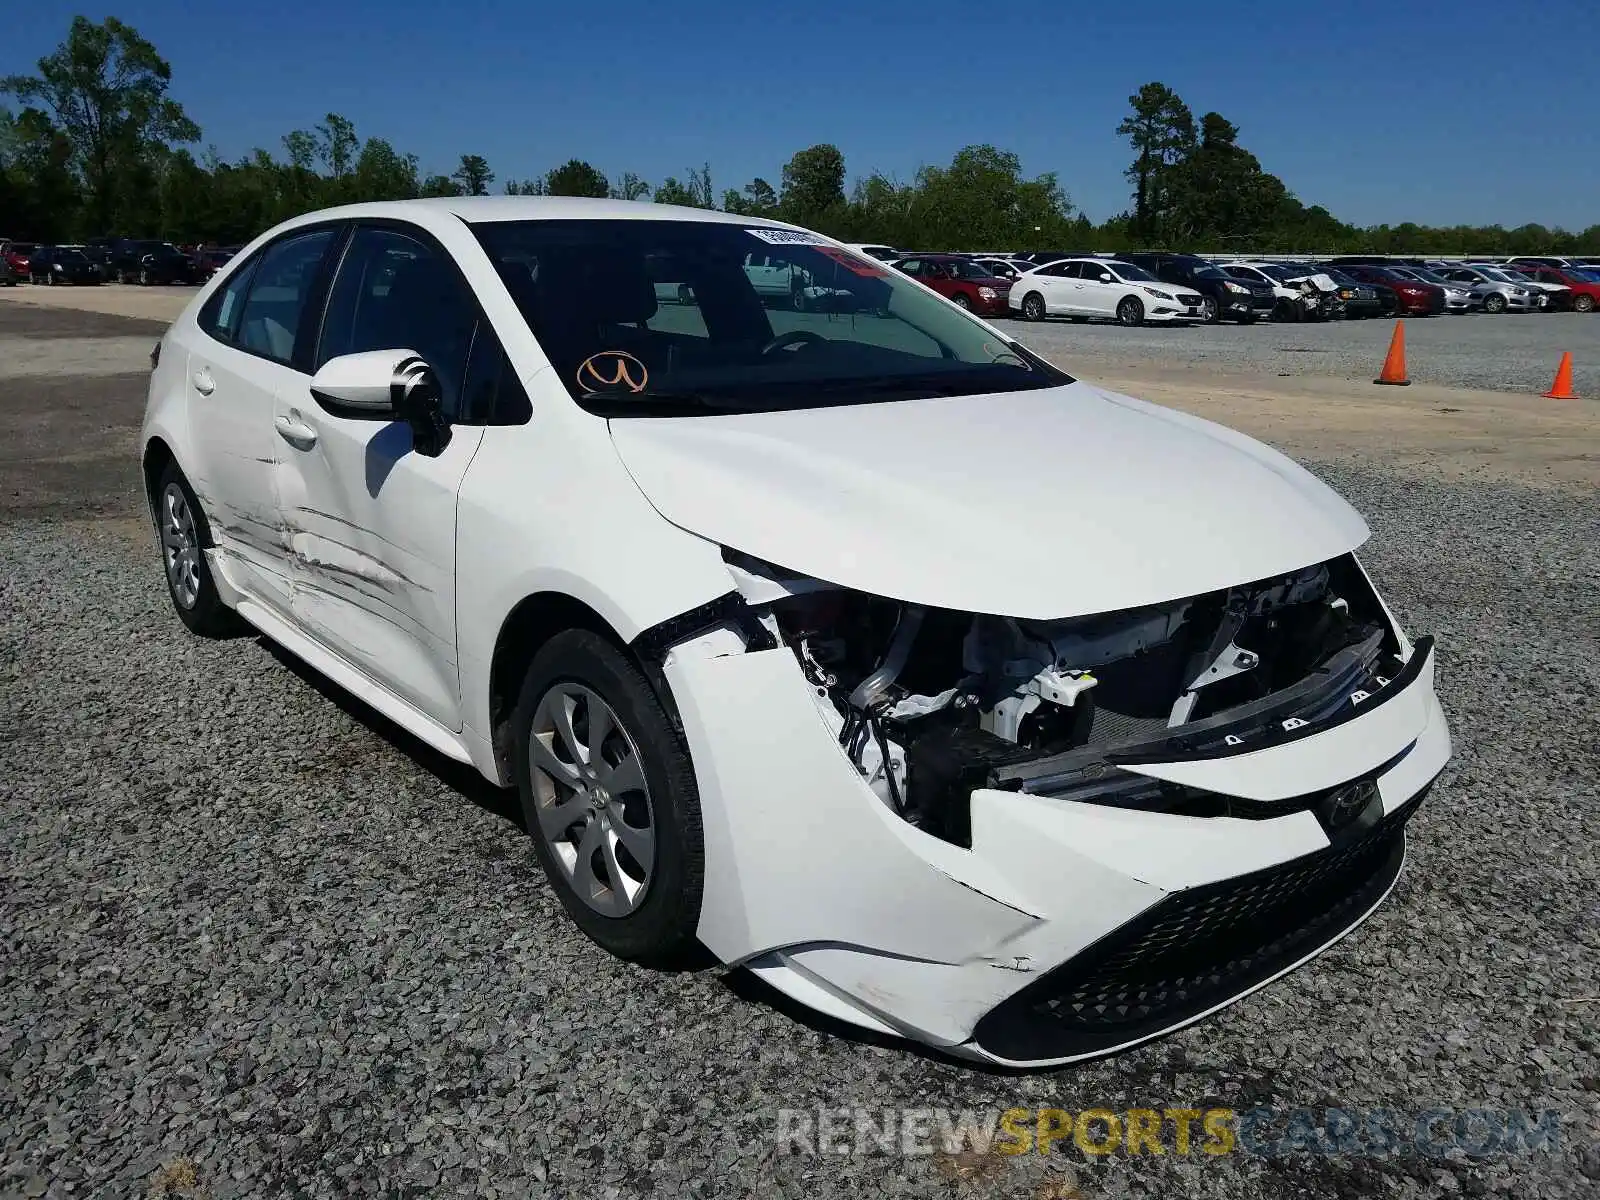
<point x="609" y="798"/>
<point x="1033" y="307"/>
<point x="1286" y="310"/>
<point x="1130" y="311"/>
<point x="185" y="537"/>
<point x="1583" y="303"/>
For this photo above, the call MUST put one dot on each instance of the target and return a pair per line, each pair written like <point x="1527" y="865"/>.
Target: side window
<point x="492" y="394"/>
<point x="220" y="316"/>
<point x="396" y="292"/>
<point x="912" y="266"/>
<point x="280" y="285"/>
<point x="1071" y="270"/>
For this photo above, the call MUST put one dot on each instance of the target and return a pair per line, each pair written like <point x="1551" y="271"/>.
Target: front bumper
<point x="1069" y="929"/>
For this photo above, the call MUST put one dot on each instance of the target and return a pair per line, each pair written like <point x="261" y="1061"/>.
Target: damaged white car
<point x="954" y="698"/>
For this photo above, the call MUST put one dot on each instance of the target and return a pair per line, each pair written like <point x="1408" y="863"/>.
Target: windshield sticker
<point x="786" y="237"/>
<point x="612" y="370"/>
<point x="870" y="268"/>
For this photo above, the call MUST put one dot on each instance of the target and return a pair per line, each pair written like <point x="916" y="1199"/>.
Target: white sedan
<point x="955" y="698"/>
<point x="1103" y="288"/>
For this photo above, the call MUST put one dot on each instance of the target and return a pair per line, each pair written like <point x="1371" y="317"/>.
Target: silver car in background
<point x="1494" y="290"/>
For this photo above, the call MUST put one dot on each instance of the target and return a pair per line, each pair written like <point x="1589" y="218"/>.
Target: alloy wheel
<point x="1208" y="308"/>
<point x="592" y="800"/>
<point x="1033" y="307"/>
<point x="180" y="546"/>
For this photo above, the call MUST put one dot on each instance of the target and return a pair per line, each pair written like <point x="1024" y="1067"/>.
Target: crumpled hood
<point x="1040" y="504"/>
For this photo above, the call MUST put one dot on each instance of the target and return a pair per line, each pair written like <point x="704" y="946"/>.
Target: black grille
<point x="1198" y="949"/>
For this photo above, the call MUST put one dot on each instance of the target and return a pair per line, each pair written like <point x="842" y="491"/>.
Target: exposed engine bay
<point x="930" y="704"/>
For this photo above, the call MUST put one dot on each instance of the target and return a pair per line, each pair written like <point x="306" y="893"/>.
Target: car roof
<point x="476" y="209"/>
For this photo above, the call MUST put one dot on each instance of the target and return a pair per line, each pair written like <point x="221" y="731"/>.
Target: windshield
<point x="666" y="318"/>
<point x="1494" y="273"/>
<point x="1516" y="276"/>
<point x="961" y="268"/>
<point x="1426" y="275"/>
<point x="1132" y="273"/>
<point x="66" y="254"/>
<point x="1208" y="273"/>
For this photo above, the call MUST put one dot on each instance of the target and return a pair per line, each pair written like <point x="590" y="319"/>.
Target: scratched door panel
<point x="371" y="528"/>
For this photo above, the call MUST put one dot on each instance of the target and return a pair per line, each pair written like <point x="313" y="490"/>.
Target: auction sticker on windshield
<point x="787" y="237"/>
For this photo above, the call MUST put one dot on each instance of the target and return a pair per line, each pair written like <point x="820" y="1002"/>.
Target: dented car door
<point x="371" y="521"/>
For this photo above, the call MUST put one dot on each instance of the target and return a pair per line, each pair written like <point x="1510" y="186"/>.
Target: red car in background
<point x="960" y="279"/>
<point x="1413" y="296"/>
<point x="17" y="256"/>
<point x="1585" y="284"/>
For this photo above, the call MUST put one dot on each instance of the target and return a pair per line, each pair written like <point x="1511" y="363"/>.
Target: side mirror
<point x="1106" y="278"/>
<point x="386" y="385"/>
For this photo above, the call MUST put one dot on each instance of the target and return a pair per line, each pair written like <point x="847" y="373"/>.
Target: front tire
<point x="184" y="538"/>
<point x="609" y="799"/>
<point x="1210" y="313"/>
<point x="961" y="301"/>
<point x="1494" y="302"/>
<point x="1130" y="312"/>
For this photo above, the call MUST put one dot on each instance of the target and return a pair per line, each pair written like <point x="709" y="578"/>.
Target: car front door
<point x="371" y="521"/>
<point x="1101" y="290"/>
<point x="1060" y="283"/>
<point x="247" y="356"/>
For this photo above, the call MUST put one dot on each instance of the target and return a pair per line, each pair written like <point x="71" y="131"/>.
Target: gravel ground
<point x="1514" y="353"/>
<point x="254" y="941"/>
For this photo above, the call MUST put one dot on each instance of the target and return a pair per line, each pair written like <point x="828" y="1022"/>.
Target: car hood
<point x="1039" y="504"/>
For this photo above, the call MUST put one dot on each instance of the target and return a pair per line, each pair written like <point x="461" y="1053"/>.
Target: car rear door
<point x="372" y="522"/>
<point x="250" y="331"/>
<point x="1061" y="284"/>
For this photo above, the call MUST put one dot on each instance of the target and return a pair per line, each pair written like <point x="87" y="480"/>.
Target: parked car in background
<point x="8" y="276"/>
<point x="1221" y="298"/>
<point x="1497" y="293"/>
<point x="960" y="279"/>
<point x="212" y="259"/>
<point x="146" y="261"/>
<point x="886" y="254"/>
<point x="1004" y="268"/>
<point x="1583" y="285"/>
<point x="1085" y="289"/>
<point x="1290" y="283"/>
<point x="1557" y="296"/>
<point x="18" y="255"/>
<point x="1413" y="297"/>
<point x="1359" y="299"/>
<point x="1458" y="298"/>
<point x="1536" y="261"/>
<point x="62" y="265"/>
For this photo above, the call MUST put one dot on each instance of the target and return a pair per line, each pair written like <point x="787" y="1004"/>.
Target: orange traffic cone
<point x="1394" y="366"/>
<point x="1561" y="389"/>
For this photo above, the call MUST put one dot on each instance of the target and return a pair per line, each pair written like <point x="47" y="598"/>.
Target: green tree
<point x="670" y="191"/>
<point x="106" y="89"/>
<point x="813" y="185"/>
<point x="576" y="178"/>
<point x="473" y="175"/>
<point x="383" y="173"/>
<point x="337" y="145"/>
<point x="440" y="185"/>
<point x="36" y="162"/>
<point x="1161" y="132"/>
<point x="630" y="187"/>
<point x="757" y="200"/>
<point x="525" y="187"/>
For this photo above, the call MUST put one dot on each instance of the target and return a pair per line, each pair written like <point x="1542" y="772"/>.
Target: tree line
<point x="98" y="146"/>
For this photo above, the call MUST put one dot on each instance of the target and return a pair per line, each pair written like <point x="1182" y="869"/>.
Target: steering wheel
<point x="795" y="337"/>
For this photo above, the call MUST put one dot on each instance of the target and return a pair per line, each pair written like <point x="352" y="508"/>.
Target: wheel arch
<point x="158" y="455"/>
<point x="532" y="622"/>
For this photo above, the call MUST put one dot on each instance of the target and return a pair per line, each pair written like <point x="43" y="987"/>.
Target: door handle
<point x="297" y="433"/>
<point x="203" y="383"/>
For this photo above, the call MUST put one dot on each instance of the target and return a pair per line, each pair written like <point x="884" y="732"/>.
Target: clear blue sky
<point x="1435" y="111"/>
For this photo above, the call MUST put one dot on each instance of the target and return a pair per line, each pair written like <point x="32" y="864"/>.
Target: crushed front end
<point x="1033" y="842"/>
